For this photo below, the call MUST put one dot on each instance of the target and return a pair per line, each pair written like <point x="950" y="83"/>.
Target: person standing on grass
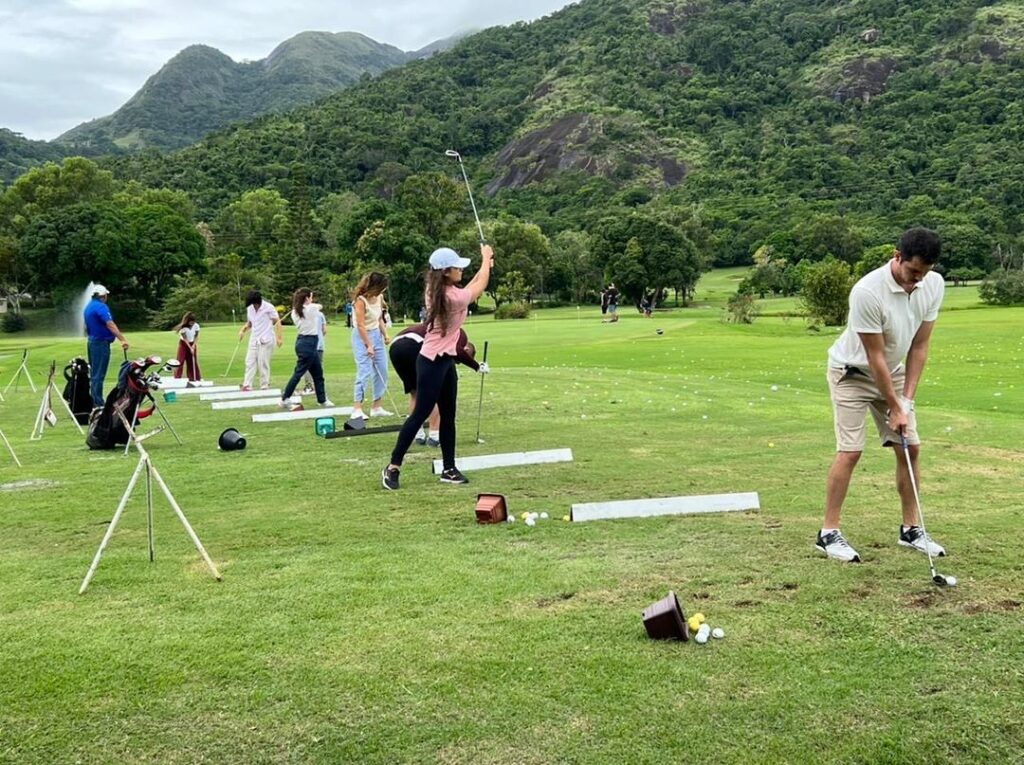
<point x="188" y="347"/>
<point x="102" y="331"/>
<point x="265" y="324"/>
<point x="437" y="383"/>
<point x="404" y="351"/>
<point x="875" y="366"/>
<point x="611" y="303"/>
<point x="369" y="338"/>
<point x="306" y="316"/>
<point x="308" y="387"/>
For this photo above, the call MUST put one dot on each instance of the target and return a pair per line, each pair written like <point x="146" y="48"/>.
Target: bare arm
<point x="483" y="276"/>
<point x="279" y="330"/>
<point x="874" y="345"/>
<point x="245" y="328"/>
<point x="117" y="333"/>
<point x="917" y="357"/>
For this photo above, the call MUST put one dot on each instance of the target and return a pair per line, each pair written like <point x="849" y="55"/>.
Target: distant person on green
<point x="102" y="331"/>
<point x="875" y="366"/>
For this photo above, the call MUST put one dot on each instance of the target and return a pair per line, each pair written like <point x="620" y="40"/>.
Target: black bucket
<point x="231" y="441"/>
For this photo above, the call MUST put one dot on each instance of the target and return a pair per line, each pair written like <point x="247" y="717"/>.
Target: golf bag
<point x="76" y="390"/>
<point x="106" y="428"/>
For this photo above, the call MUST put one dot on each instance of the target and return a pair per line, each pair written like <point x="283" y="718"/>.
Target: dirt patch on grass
<point x="747" y="603"/>
<point x="553" y="599"/>
<point x="862" y="592"/>
<point x="923" y="600"/>
<point x="971" y="609"/>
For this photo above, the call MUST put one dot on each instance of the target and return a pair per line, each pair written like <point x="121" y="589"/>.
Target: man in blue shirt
<point x="102" y="331"/>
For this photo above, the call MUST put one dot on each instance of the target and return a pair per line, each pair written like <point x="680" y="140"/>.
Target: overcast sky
<point x="63" y="62"/>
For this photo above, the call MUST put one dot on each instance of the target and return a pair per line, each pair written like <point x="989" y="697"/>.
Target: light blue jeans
<point x="366" y="377"/>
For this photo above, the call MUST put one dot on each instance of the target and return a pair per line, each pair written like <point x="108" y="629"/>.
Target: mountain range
<point x="201" y="89"/>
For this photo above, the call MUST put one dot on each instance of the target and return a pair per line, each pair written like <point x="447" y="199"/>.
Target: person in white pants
<point x="265" y="323"/>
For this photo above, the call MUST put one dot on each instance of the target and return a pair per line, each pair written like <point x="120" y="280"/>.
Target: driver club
<point x="939" y="579"/>
<point x="455" y="155"/>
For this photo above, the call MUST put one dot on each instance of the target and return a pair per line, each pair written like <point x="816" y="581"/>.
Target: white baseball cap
<point x="446" y="257"/>
<point x="100" y="290"/>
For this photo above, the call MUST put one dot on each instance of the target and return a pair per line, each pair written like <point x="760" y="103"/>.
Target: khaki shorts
<point x="854" y="393"/>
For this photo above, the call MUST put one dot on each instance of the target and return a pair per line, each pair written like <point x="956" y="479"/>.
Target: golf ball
<point x="524" y="516"/>
<point x="566" y="518"/>
<point x="702" y="634"/>
<point x="718" y="633"/>
<point x="531" y="522"/>
<point x="775" y="388"/>
<point x="510" y="519"/>
<point x="544" y="516"/>
<point x="771" y="445"/>
<point x="700" y="617"/>
<point x="693" y="623"/>
<point x="951" y="581"/>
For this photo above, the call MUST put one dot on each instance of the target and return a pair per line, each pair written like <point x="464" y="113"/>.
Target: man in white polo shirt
<point x="892" y="312"/>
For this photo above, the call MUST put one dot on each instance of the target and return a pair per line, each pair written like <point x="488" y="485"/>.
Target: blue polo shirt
<point x="97" y="314"/>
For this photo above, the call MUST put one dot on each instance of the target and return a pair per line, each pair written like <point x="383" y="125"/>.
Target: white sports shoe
<point x="326" y="402"/>
<point x="835" y="546"/>
<point x="359" y="413"/>
<point x="915" y="538"/>
<point x="380" y="412"/>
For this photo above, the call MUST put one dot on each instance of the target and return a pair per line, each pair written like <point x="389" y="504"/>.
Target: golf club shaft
<point x="480" y="406"/>
<point x="235" y="353"/>
<point x="469" y="190"/>
<point x="917" y="501"/>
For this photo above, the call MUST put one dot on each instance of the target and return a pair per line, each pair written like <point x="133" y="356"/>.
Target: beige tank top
<point x="373" y="311"/>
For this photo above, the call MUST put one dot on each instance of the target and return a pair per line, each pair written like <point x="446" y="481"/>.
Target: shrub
<point x="1003" y="288"/>
<point x="826" y="292"/>
<point x="743" y="308"/>
<point x="13" y="322"/>
<point x="513" y="311"/>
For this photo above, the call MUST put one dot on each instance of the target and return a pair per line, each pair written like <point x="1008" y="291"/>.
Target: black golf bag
<point x="76" y="390"/>
<point x="128" y="399"/>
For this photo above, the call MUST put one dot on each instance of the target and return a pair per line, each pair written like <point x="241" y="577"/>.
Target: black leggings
<point x="437" y="382"/>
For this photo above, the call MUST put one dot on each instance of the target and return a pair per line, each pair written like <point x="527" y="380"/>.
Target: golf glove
<point x="484" y="369"/>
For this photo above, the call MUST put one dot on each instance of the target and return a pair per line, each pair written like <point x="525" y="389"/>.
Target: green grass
<point x="355" y="625"/>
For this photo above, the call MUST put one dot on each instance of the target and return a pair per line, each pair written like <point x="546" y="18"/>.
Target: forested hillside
<point x="762" y="114"/>
<point x="18" y="154"/>
<point x="202" y="89"/>
<point x="638" y="140"/>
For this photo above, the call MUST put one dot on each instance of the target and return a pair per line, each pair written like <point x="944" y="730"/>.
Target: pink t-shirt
<point x="434" y="344"/>
<point x="263" y="320"/>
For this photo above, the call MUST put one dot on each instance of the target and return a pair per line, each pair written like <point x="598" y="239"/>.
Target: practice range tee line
<point x="510" y="459"/>
<point x="248" y="403"/>
<point x="230" y="395"/>
<point x="646" y="508"/>
<point x="182" y="383"/>
<point x="304" y="414"/>
<point x="197" y="391"/>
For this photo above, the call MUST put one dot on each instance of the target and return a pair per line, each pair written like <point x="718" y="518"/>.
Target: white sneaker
<point x="380" y="412"/>
<point x="326" y="402"/>
<point x="835" y="546"/>
<point x="915" y="538"/>
<point x="359" y="413"/>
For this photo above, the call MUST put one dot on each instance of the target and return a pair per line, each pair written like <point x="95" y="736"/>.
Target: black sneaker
<point x="389" y="478"/>
<point x="452" y="475"/>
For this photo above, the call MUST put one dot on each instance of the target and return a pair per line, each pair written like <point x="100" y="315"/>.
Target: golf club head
<point x="452" y="153"/>
<point x="944" y="581"/>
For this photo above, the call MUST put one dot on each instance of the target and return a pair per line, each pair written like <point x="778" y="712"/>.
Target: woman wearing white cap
<point x="437" y="383"/>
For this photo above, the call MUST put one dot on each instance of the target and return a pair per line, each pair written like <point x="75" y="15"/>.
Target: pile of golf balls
<point x="702" y="630"/>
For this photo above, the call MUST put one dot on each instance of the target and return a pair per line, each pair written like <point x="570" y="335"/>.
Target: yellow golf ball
<point x="693" y="623"/>
<point x="771" y="445"/>
<point x="566" y="518"/>
<point x="524" y="516"/>
<point x="699" y="617"/>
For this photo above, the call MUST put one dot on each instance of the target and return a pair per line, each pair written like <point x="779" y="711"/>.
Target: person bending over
<point x="405" y="348"/>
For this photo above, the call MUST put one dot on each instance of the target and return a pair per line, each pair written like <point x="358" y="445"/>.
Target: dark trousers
<point x="307" y="360"/>
<point x="99" y="360"/>
<point x="437" y="383"/>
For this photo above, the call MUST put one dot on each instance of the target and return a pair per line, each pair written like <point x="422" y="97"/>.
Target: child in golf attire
<point x="436" y="379"/>
<point x="892" y="313"/>
<point x="188" y="349"/>
<point x="306" y="316"/>
<point x="369" y="336"/>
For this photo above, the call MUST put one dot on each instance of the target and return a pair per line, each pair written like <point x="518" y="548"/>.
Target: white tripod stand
<point x="22" y="370"/>
<point x="146" y="465"/>
<point x="46" y="413"/>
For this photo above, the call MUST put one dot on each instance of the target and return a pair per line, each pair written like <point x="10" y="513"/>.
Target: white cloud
<point x="63" y="62"/>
